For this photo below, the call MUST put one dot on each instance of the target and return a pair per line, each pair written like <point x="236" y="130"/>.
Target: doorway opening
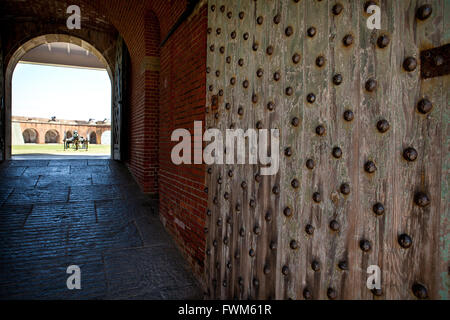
<point x="60" y="101"/>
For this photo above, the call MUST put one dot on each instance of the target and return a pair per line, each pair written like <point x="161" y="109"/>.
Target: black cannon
<point x="75" y="142"/>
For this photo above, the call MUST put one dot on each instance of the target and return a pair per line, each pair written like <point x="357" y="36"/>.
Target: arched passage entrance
<point x="92" y="138"/>
<point x="52" y="136"/>
<point x="53" y="38"/>
<point x="30" y="136"/>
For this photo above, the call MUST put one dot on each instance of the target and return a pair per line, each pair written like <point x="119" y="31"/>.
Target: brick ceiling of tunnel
<point x="53" y="11"/>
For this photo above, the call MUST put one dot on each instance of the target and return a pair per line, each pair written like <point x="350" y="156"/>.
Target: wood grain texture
<point x="342" y="218"/>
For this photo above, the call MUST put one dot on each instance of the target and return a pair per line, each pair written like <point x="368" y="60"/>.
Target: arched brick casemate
<point x="167" y="47"/>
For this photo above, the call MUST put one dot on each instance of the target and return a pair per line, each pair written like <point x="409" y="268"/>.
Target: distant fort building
<point x="41" y="130"/>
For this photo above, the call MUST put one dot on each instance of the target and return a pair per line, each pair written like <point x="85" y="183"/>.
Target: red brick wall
<point x="183" y="92"/>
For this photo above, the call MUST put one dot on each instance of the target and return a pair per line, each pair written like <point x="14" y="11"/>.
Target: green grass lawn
<point x="59" y="149"/>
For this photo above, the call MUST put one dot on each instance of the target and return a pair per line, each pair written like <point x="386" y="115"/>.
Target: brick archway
<point x="21" y="51"/>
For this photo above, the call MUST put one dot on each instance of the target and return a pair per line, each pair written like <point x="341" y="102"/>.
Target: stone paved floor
<point x="90" y="213"/>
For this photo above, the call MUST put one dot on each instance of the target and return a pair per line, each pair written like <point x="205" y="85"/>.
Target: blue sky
<point x="67" y="93"/>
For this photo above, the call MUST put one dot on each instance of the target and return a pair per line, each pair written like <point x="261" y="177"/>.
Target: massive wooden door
<point x="120" y="100"/>
<point x="363" y="176"/>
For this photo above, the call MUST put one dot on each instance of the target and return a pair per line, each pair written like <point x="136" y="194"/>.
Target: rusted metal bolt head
<point x="377" y="292"/>
<point x="295" y="121"/>
<point x="277" y="19"/>
<point x="233" y="36"/>
<point x="378" y="209"/>
<point x="307" y="294"/>
<point x="255" y="46"/>
<point x="268" y="216"/>
<point x="251" y="253"/>
<point x="289" y="91"/>
<point x="296" y="58"/>
<point x="225" y="240"/>
<point x="245" y="36"/>
<point x="288" y="151"/>
<point x="410" y="64"/>
<point x="273" y="245"/>
<point x="216" y="115"/>
<point x="209" y="170"/>
<point x="217" y="73"/>
<point x="320" y="130"/>
<point x="383" y="125"/>
<point x="209" y="30"/>
<point x="311" y="97"/>
<point x="245" y="84"/>
<point x="252" y="203"/>
<point x="383" y="41"/>
<point x="241" y="281"/>
<point x="315" y="265"/>
<point x="371" y="85"/>
<point x="257" y="177"/>
<point x="237" y="255"/>
<point x="295" y="184"/>
<point x="348" y="115"/>
<point x="215" y="200"/>
<point x="229" y="14"/>
<point x="233" y="81"/>
<point x="334" y="225"/>
<point x="343" y="265"/>
<point x="238" y="207"/>
<point x="311" y="32"/>
<point x="220" y="92"/>
<point x="266" y="269"/>
<point x="424" y="12"/>
<point x="241" y="15"/>
<point x="316" y="197"/>
<point x="309" y="229"/>
<point x="230" y="173"/>
<point x="243" y="185"/>
<point x="259" y="125"/>
<point x="257" y="230"/>
<point x="345" y="188"/>
<point x="287" y="212"/>
<point x="215" y="243"/>
<point x="421" y="199"/>
<point x="218" y="31"/>
<point x="226" y="195"/>
<point x="285" y="270"/>
<point x="347" y="40"/>
<point x="259" y="20"/>
<point x="365" y="245"/>
<point x="222" y="50"/>
<point x="337" y="152"/>
<point x="404" y="241"/>
<point x="211" y="88"/>
<point x="370" y="167"/>
<point x="259" y="73"/>
<point x="289" y="31"/>
<point x="254" y="98"/>
<point x="208" y="252"/>
<point x="206" y="189"/>
<point x="320" y="61"/>
<point x="293" y="244"/>
<point x="241" y="62"/>
<point x="337" y="9"/>
<point x="424" y="106"/>
<point x="337" y="79"/>
<point x="310" y="164"/>
<point x="410" y="154"/>
<point x="420" y="291"/>
<point x="269" y="50"/>
<point x="276" y="190"/>
<point x="208" y="213"/>
<point x="242" y="232"/>
<point x="211" y="48"/>
<point x="208" y="69"/>
<point x="227" y="106"/>
<point x="276" y="76"/>
<point x="331" y="294"/>
<point x="222" y="8"/>
<point x="213" y="7"/>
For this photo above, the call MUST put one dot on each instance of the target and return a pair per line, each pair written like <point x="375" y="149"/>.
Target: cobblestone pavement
<point x="90" y="213"/>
